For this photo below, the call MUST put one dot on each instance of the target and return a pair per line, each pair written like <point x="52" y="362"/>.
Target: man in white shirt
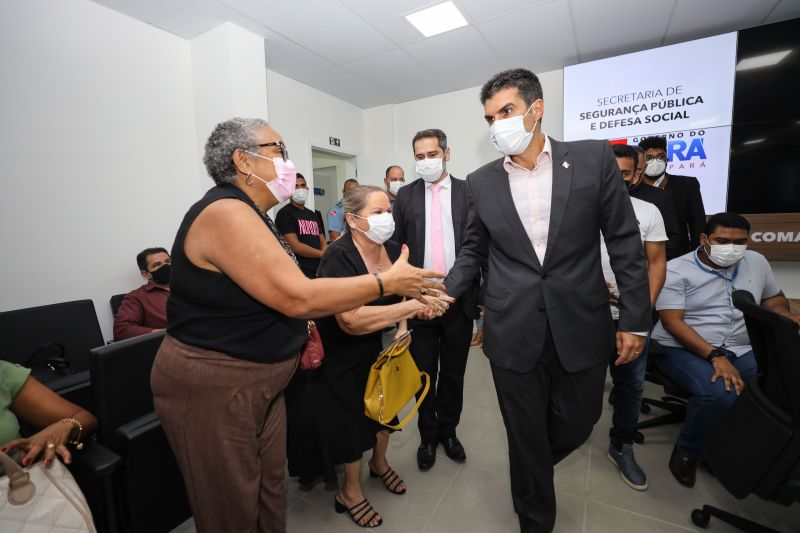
<point x="395" y="178"/>
<point x="629" y="379"/>
<point x="430" y="217"/>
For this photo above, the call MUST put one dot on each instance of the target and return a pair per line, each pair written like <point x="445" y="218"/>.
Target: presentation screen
<point x="683" y="92"/>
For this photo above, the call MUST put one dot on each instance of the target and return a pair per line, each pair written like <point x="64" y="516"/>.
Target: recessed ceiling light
<point x="754" y="141"/>
<point x="766" y="60"/>
<point x="437" y="19"/>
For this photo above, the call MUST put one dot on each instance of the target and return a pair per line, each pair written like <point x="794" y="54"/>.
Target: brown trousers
<point x="225" y="420"/>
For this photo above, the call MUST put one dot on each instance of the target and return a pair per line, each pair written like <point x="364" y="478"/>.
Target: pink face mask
<point x="282" y="187"/>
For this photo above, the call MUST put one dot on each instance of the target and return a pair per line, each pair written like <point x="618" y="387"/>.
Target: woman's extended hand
<point x="435" y="306"/>
<point x="406" y="280"/>
<point x="51" y="440"/>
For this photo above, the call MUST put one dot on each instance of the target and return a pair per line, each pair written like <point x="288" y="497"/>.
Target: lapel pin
<point x="565" y="164"/>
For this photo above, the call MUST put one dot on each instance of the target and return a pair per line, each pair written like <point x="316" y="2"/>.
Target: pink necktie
<point x="437" y="240"/>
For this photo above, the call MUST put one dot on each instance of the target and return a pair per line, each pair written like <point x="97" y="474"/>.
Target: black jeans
<point x="440" y="348"/>
<point x="548" y="413"/>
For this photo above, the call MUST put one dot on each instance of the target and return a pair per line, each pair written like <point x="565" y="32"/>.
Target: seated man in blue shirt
<point x="708" y="352"/>
<point x="336" y="212"/>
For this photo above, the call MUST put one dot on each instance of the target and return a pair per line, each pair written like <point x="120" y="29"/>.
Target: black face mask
<point x="161" y="275"/>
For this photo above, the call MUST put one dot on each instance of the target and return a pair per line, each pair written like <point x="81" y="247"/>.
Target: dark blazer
<point x="685" y="192"/>
<point x="663" y="201"/>
<point x="409" y="228"/>
<point x="568" y="291"/>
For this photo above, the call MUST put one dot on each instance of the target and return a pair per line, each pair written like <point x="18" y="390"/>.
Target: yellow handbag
<point x="393" y="380"/>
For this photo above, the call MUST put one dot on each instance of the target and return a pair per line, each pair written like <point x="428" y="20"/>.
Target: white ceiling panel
<point x="145" y="10"/>
<point x="388" y="17"/>
<point x="203" y="15"/>
<point x="366" y="52"/>
<point x="291" y="59"/>
<point x="342" y="84"/>
<point x="786" y="9"/>
<point x="397" y="73"/>
<point x="609" y="28"/>
<point x="461" y="57"/>
<point x="693" y="19"/>
<point x="481" y="10"/>
<point x="329" y="28"/>
<point x="539" y="38"/>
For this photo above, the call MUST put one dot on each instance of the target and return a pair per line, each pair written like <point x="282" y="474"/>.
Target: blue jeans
<point x="628" y="382"/>
<point x="708" y="401"/>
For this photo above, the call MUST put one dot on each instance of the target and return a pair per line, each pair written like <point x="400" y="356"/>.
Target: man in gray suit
<point x="536" y="215"/>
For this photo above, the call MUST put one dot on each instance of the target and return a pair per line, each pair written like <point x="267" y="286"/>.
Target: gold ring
<point x="50" y="446"/>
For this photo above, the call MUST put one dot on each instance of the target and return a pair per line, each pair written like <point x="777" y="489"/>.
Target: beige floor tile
<point x="604" y="519"/>
<point x="770" y="514"/>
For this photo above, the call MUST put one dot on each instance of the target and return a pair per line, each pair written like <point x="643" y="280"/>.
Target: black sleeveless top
<point x="208" y="310"/>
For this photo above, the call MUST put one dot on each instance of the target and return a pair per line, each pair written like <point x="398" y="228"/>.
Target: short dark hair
<point x="626" y="150"/>
<point x="727" y="220"/>
<point x="433" y="132"/>
<point x="656" y="141"/>
<point x="141" y="257"/>
<point x="391" y="167"/>
<point x="526" y="82"/>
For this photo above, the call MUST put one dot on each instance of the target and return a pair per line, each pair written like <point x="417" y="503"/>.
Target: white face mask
<point x="381" y="227"/>
<point x="654" y="168"/>
<point x="394" y="186"/>
<point x="429" y="170"/>
<point x="726" y="255"/>
<point x="509" y="135"/>
<point x="299" y="196"/>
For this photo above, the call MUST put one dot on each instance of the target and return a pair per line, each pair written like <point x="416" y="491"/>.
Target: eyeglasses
<point x="660" y="157"/>
<point x="279" y="144"/>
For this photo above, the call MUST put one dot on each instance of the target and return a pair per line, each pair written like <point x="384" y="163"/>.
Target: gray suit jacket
<point x="567" y="290"/>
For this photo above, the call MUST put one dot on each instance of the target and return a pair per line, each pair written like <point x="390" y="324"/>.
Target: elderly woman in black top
<point x="235" y="325"/>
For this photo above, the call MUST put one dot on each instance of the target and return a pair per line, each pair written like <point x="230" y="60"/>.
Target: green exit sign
<point x="334" y="141"/>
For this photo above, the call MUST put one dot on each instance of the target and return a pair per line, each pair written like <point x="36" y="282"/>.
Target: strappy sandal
<point x="358" y="513"/>
<point x="390" y="480"/>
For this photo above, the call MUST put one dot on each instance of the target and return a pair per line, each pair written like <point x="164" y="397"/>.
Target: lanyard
<point x="731" y="279"/>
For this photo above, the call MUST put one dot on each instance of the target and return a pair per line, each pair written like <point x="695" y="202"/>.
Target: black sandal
<point x="390" y="480"/>
<point x="358" y="512"/>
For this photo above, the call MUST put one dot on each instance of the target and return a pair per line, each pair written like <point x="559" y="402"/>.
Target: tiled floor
<point x="476" y="497"/>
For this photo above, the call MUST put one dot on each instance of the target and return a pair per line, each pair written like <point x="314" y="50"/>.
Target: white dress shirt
<point x="532" y="193"/>
<point x="448" y="234"/>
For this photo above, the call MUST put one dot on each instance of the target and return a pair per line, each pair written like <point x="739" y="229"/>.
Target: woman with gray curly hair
<point x="237" y="319"/>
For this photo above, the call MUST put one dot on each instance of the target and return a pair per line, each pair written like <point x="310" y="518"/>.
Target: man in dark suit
<point x="536" y="216"/>
<point x="684" y="191"/>
<point x="430" y="217"/>
<point x="662" y="200"/>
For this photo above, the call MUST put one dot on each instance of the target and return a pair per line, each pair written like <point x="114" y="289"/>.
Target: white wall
<point x="388" y="130"/>
<point x="98" y="149"/>
<point x="306" y="117"/>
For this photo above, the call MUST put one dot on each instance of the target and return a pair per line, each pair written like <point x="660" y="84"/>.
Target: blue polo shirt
<point x="336" y="216"/>
<point x="706" y="297"/>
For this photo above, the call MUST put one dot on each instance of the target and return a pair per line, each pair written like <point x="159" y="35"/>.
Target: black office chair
<point x="55" y="341"/>
<point x="115" y="302"/>
<point x="674" y="402"/>
<point x="756" y="448"/>
<point x="151" y="496"/>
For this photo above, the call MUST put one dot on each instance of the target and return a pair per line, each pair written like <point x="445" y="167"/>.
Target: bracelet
<point x="75" y="424"/>
<point x="380" y="284"/>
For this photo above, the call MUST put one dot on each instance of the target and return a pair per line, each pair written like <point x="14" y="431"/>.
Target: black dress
<point x="325" y="406"/>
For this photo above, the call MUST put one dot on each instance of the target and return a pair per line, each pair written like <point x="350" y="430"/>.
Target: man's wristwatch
<point x="719" y="352"/>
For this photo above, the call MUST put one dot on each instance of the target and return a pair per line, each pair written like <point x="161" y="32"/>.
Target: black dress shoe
<point x="683" y="467"/>
<point x="426" y="456"/>
<point x="454" y="449"/>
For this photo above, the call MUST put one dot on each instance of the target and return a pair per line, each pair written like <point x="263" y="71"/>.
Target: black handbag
<point x="48" y="362"/>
